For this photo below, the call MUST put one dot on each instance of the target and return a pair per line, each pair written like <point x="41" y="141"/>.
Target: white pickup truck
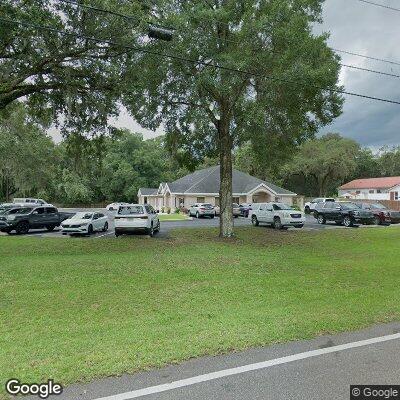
<point x="309" y="207"/>
<point x="278" y="215"/>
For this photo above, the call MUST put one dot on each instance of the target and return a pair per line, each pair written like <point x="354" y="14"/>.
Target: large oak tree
<point x="284" y="94"/>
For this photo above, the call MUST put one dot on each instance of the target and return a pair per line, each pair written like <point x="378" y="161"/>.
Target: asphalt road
<point x="166" y="227"/>
<point x="322" y="368"/>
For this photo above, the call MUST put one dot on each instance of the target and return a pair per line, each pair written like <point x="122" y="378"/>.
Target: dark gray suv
<point x="22" y="219"/>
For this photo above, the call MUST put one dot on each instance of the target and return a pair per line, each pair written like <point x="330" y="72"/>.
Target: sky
<point x="361" y="28"/>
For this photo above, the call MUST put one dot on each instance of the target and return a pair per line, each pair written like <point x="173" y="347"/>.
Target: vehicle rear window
<point x="281" y="206"/>
<point x="51" y="210"/>
<point x="130" y="210"/>
<point x="235" y="205"/>
<point x="349" y="206"/>
<point x="24" y="210"/>
<point x="207" y="206"/>
<point x="329" y="200"/>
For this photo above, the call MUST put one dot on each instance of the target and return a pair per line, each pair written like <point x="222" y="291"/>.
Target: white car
<point x="278" y="215"/>
<point x="85" y="223"/>
<point x="28" y="200"/>
<point x="135" y="218"/>
<point x="115" y="206"/>
<point x="309" y="207"/>
<point x="202" y="210"/>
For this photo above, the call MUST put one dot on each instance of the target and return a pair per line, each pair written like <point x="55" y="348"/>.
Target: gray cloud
<point x="375" y="32"/>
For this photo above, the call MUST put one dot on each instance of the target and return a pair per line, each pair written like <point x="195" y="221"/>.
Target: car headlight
<point x="10" y="217"/>
<point x="356" y="212"/>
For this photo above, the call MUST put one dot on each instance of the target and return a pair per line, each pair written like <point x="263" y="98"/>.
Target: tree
<point x="389" y="162"/>
<point x="284" y="96"/>
<point x="26" y="154"/>
<point x="327" y="161"/>
<point x="64" y="75"/>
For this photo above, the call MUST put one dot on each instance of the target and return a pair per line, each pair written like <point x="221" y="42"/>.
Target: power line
<point x="130" y="17"/>
<point x="380" y="5"/>
<point x="197" y="62"/>
<point x="370" y="70"/>
<point x="367" y="57"/>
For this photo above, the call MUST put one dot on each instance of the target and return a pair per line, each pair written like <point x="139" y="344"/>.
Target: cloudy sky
<point x="364" y="29"/>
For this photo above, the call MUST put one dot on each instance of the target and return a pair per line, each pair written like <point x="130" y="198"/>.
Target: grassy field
<point x="173" y="217"/>
<point x="74" y="310"/>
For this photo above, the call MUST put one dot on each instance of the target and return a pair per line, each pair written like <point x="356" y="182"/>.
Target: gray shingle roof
<point x="148" y="191"/>
<point x="207" y="181"/>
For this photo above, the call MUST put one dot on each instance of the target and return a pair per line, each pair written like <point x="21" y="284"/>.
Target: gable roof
<point x="372" y="183"/>
<point x="147" y="191"/>
<point x="207" y="181"/>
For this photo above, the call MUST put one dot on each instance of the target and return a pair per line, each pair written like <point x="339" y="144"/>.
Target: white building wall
<point x="364" y="194"/>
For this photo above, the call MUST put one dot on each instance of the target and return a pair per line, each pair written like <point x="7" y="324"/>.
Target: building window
<point x="396" y="195"/>
<point x="358" y="192"/>
<point x="372" y="191"/>
<point x="217" y="201"/>
<point x="379" y="191"/>
<point x="200" y="200"/>
<point x="181" y="202"/>
<point x="145" y="200"/>
<point x="236" y="200"/>
<point x="277" y="199"/>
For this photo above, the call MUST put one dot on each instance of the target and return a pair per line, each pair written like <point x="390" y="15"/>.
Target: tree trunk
<point x="225" y="191"/>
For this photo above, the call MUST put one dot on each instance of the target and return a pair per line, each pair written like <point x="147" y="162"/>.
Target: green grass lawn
<point x="173" y="217"/>
<point x="75" y="310"/>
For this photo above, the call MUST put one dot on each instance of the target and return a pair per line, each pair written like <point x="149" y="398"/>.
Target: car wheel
<point x="278" y="223"/>
<point x="90" y="229"/>
<point x="158" y="227"/>
<point x="212" y="216"/>
<point x="117" y="233"/>
<point x="50" y="227"/>
<point x="150" y="231"/>
<point x="299" y="226"/>
<point x="254" y="220"/>
<point x="377" y="220"/>
<point x="307" y="210"/>
<point x="105" y="227"/>
<point x="22" y="228"/>
<point x="321" y="220"/>
<point x="347" y="221"/>
<point x="197" y="215"/>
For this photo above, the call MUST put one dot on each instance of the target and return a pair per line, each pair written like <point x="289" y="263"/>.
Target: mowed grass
<point x="75" y="310"/>
<point x="173" y="217"/>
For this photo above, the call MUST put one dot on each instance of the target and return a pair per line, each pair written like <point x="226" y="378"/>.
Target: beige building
<point x="203" y="187"/>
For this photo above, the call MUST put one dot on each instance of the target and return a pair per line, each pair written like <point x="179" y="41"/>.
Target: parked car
<point x="310" y="206"/>
<point x="278" y="215"/>
<point x="202" y="210"/>
<point x="136" y="217"/>
<point x="343" y="212"/>
<point x="31" y="201"/>
<point x="115" y="206"/>
<point x="245" y="209"/>
<point x="85" y="223"/>
<point x="235" y="210"/>
<point x="22" y="219"/>
<point x="8" y="206"/>
<point x="382" y="216"/>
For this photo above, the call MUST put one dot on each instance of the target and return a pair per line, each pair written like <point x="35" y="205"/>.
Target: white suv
<point x="278" y="215"/>
<point x="136" y="217"/>
<point x="309" y="207"/>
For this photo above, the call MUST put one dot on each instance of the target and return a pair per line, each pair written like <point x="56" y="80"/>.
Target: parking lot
<point x="167" y="226"/>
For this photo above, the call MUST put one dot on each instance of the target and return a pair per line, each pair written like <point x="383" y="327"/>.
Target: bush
<point x="168" y="210"/>
<point x="177" y="211"/>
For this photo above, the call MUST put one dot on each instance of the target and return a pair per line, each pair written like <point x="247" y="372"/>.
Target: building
<point x="203" y="187"/>
<point x="387" y="188"/>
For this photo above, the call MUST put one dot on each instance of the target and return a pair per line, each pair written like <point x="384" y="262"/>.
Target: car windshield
<point x="128" y="210"/>
<point x="349" y="206"/>
<point x="207" y="206"/>
<point x="378" y="207"/>
<point x="282" y="206"/>
<point x="82" y="215"/>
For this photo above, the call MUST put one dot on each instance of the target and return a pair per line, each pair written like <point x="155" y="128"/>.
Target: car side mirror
<point x="35" y="212"/>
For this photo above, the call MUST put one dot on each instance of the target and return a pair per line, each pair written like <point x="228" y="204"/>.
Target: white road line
<point x="246" y="368"/>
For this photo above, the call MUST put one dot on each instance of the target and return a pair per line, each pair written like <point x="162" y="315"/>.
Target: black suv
<point x="22" y="219"/>
<point x="344" y="212"/>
